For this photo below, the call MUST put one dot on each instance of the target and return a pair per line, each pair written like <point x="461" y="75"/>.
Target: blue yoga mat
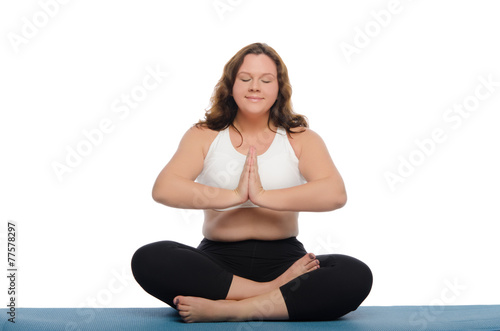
<point x="477" y="317"/>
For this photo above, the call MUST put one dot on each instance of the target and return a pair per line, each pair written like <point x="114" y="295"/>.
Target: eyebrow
<point x="267" y="73"/>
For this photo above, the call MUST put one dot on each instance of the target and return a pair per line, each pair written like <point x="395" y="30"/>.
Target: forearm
<point x="320" y="195"/>
<point x="184" y="193"/>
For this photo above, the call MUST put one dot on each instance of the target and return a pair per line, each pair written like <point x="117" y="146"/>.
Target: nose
<point x="254" y="85"/>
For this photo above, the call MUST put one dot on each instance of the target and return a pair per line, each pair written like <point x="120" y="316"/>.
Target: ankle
<point x="235" y="311"/>
<point x="278" y="282"/>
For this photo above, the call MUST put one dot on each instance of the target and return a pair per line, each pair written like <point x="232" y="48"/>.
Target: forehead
<point x="258" y="64"/>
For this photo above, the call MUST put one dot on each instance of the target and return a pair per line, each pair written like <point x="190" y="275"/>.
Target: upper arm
<point x="315" y="161"/>
<point x="187" y="162"/>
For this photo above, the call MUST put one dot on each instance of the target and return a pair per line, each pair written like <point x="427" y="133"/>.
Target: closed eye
<point x="264" y="81"/>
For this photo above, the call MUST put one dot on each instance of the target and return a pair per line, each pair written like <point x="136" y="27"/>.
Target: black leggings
<point x="166" y="269"/>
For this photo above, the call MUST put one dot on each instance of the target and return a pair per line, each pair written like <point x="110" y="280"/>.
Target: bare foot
<point x="195" y="309"/>
<point x="305" y="264"/>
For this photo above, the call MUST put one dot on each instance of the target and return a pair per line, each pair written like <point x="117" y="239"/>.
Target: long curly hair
<point x="223" y="108"/>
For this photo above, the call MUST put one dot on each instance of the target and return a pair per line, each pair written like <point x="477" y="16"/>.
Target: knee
<point x="145" y="259"/>
<point x="360" y="277"/>
<point x="354" y="275"/>
<point x="365" y="278"/>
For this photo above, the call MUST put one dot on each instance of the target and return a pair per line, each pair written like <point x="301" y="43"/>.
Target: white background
<point x="431" y="239"/>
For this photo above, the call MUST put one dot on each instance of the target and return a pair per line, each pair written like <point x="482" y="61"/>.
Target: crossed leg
<point x="242" y="288"/>
<point x="246" y="299"/>
<point x="303" y="291"/>
<point x="268" y="306"/>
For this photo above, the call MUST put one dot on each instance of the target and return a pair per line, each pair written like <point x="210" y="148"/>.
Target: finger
<point x="255" y="182"/>
<point x="250" y="155"/>
<point x="255" y="165"/>
<point x="253" y="155"/>
<point x="246" y="165"/>
<point x="252" y="161"/>
<point x="255" y="158"/>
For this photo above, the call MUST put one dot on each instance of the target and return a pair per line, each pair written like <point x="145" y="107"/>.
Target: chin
<point x="254" y="112"/>
<point x="254" y="109"/>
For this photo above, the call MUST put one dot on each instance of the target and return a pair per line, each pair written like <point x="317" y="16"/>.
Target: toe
<point x="312" y="264"/>
<point x="182" y="307"/>
<point x="184" y="313"/>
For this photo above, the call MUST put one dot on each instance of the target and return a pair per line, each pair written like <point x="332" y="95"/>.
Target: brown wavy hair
<point x="223" y="108"/>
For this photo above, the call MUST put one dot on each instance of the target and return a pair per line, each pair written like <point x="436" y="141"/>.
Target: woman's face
<point x="256" y="86"/>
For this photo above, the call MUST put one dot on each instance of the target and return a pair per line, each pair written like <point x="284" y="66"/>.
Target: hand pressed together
<point x="249" y="186"/>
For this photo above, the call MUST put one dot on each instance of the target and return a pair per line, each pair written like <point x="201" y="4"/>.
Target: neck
<point x="251" y="124"/>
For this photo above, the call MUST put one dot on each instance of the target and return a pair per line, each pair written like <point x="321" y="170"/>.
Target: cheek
<point x="237" y="89"/>
<point x="274" y="90"/>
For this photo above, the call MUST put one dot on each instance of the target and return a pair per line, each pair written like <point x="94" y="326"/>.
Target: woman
<point x="251" y="165"/>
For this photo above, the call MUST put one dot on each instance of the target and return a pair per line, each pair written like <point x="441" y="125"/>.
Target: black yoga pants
<point x="166" y="269"/>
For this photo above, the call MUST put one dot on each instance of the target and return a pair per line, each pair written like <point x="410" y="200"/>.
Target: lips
<point x="253" y="98"/>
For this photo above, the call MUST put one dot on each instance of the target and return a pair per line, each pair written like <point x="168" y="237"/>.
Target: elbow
<point x="341" y="200"/>
<point x="160" y="195"/>
<point x="337" y="201"/>
<point x="157" y="196"/>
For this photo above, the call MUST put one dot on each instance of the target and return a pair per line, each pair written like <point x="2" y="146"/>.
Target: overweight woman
<point x="252" y="165"/>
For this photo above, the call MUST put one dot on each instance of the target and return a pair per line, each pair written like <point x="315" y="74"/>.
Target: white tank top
<point x="278" y="166"/>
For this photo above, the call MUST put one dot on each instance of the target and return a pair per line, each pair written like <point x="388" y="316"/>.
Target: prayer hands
<point x="250" y="186"/>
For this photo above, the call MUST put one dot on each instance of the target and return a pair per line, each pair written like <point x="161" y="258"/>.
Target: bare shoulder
<point x="199" y="136"/>
<point x="200" y="132"/>
<point x="304" y="138"/>
<point x="302" y="133"/>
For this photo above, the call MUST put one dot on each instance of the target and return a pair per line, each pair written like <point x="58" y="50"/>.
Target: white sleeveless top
<point x="278" y="166"/>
